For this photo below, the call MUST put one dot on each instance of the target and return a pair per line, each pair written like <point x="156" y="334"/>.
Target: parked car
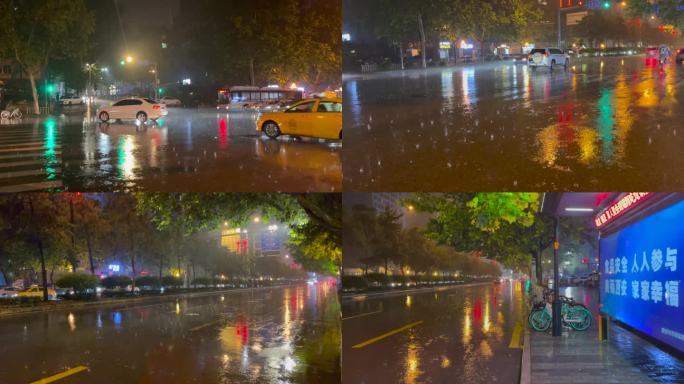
<point x="7" y="292"/>
<point x="71" y="100"/>
<point x="37" y="291"/>
<point x="171" y="102"/>
<point x="310" y="117"/>
<point x="136" y="108"/>
<point x="121" y="291"/>
<point x="548" y="57"/>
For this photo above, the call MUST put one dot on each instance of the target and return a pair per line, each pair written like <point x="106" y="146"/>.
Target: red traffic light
<point x="585" y="260"/>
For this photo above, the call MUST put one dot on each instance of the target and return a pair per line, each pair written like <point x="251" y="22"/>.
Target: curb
<point x="526" y="360"/>
<point x="20" y="311"/>
<point x="363" y="296"/>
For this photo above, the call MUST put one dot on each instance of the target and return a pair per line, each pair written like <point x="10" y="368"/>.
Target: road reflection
<point x="505" y="126"/>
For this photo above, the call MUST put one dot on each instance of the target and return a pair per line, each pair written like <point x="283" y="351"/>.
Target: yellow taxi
<point x="36" y="291"/>
<point x="320" y="118"/>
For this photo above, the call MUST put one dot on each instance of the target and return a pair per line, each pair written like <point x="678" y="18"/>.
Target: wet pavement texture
<point x="579" y="357"/>
<point x="277" y="335"/>
<point x="188" y="150"/>
<point x="606" y="123"/>
<point x="463" y="338"/>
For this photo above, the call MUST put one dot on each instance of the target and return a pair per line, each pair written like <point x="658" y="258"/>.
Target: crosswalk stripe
<point x="29" y="159"/>
<point x="31" y="187"/>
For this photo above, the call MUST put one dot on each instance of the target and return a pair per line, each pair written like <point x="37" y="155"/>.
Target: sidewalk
<point x="579" y="357"/>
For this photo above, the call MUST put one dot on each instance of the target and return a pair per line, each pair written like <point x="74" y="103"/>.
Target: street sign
<point x="641" y="275"/>
<point x="575" y="18"/>
<point x="270" y="241"/>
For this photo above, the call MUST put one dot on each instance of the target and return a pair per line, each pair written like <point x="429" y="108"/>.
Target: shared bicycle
<point x="573" y="315"/>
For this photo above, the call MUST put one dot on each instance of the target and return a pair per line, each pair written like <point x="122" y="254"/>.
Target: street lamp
<point x="129" y="59"/>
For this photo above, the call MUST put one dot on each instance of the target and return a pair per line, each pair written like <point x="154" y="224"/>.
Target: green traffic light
<point x="123" y="62"/>
<point x="50" y="88"/>
<point x="606" y="5"/>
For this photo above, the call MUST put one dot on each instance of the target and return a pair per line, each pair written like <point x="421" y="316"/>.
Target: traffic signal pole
<point x="560" y="22"/>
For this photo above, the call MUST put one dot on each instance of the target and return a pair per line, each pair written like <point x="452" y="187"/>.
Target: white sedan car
<point x="548" y="57"/>
<point x="136" y="108"/>
<point x="171" y="102"/>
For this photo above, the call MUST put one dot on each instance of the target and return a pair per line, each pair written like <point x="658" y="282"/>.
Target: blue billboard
<point x="640" y="275"/>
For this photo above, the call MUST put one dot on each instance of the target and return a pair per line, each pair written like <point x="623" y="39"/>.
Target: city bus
<point x="247" y="97"/>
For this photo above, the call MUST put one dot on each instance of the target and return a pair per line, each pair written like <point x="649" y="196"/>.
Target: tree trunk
<point x="90" y="254"/>
<point x="401" y="55"/>
<point x="161" y="267"/>
<point x="252" y="80"/>
<point x="34" y="92"/>
<point x="193" y="274"/>
<point x="386" y="262"/>
<point x="133" y="269"/>
<point x="43" y="270"/>
<point x="422" y="40"/>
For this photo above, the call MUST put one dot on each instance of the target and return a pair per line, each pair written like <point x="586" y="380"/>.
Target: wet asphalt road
<point x="610" y="123"/>
<point x="278" y="335"/>
<point x="464" y="336"/>
<point x="188" y="150"/>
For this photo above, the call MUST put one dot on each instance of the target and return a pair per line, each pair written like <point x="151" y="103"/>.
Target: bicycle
<point x="573" y="315"/>
<point x="12" y="113"/>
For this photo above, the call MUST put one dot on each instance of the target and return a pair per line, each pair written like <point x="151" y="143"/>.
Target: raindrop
<point x="649" y="140"/>
<point x="369" y="127"/>
<point x="360" y="170"/>
<point x="674" y="132"/>
<point x="379" y="163"/>
<point x="515" y="183"/>
<point x="449" y="164"/>
<point x="491" y="137"/>
<point x="417" y="146"/>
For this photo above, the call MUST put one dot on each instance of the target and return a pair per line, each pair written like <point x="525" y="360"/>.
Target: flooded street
<point x="277" y="335"/>
<point x="188" y="150"/>
<point x="606" y="123"/>
<point x="459" y="334"/>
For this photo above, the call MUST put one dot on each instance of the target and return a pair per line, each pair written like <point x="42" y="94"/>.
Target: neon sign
<point x="625" y="203"/>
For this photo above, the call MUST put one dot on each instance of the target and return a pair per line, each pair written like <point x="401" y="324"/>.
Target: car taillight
<point x="156" y="107"/>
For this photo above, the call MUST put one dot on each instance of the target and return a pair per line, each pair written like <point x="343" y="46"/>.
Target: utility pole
<point x="556" y="331"/>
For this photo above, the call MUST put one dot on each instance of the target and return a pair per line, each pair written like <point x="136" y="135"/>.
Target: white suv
<point x="548" y="57"/>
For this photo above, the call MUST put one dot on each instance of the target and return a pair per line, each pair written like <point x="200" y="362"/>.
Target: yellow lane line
<point x="361" y="315"/>
<point x="62" y="375"/>
<point x="515" y="338"/>
<point x="388" y="334"/>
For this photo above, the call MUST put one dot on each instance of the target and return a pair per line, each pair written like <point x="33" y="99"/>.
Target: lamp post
<point x="129" y="59"/>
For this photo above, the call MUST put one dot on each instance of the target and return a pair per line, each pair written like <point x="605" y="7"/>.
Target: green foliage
<point x="116" y="281"/>
<point x="354" y="282"/>
<point x="315" y="218"/>
<point x="172" y="281"/>
<point x="205" y="281"/>
<point x="289" y="42"/>
<point x="147" y="281"/>
<point x="79" y="282"/>
<point x="34" y="32"/>
<point x="667" y="11"/>
<point x="26" y="301"/>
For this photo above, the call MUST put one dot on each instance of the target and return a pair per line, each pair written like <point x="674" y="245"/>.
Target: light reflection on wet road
<point x="607" y="123"/>
<point x="189" y="150"/>
<point x="464" y="336"/>
<point x="278" y="335"/>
